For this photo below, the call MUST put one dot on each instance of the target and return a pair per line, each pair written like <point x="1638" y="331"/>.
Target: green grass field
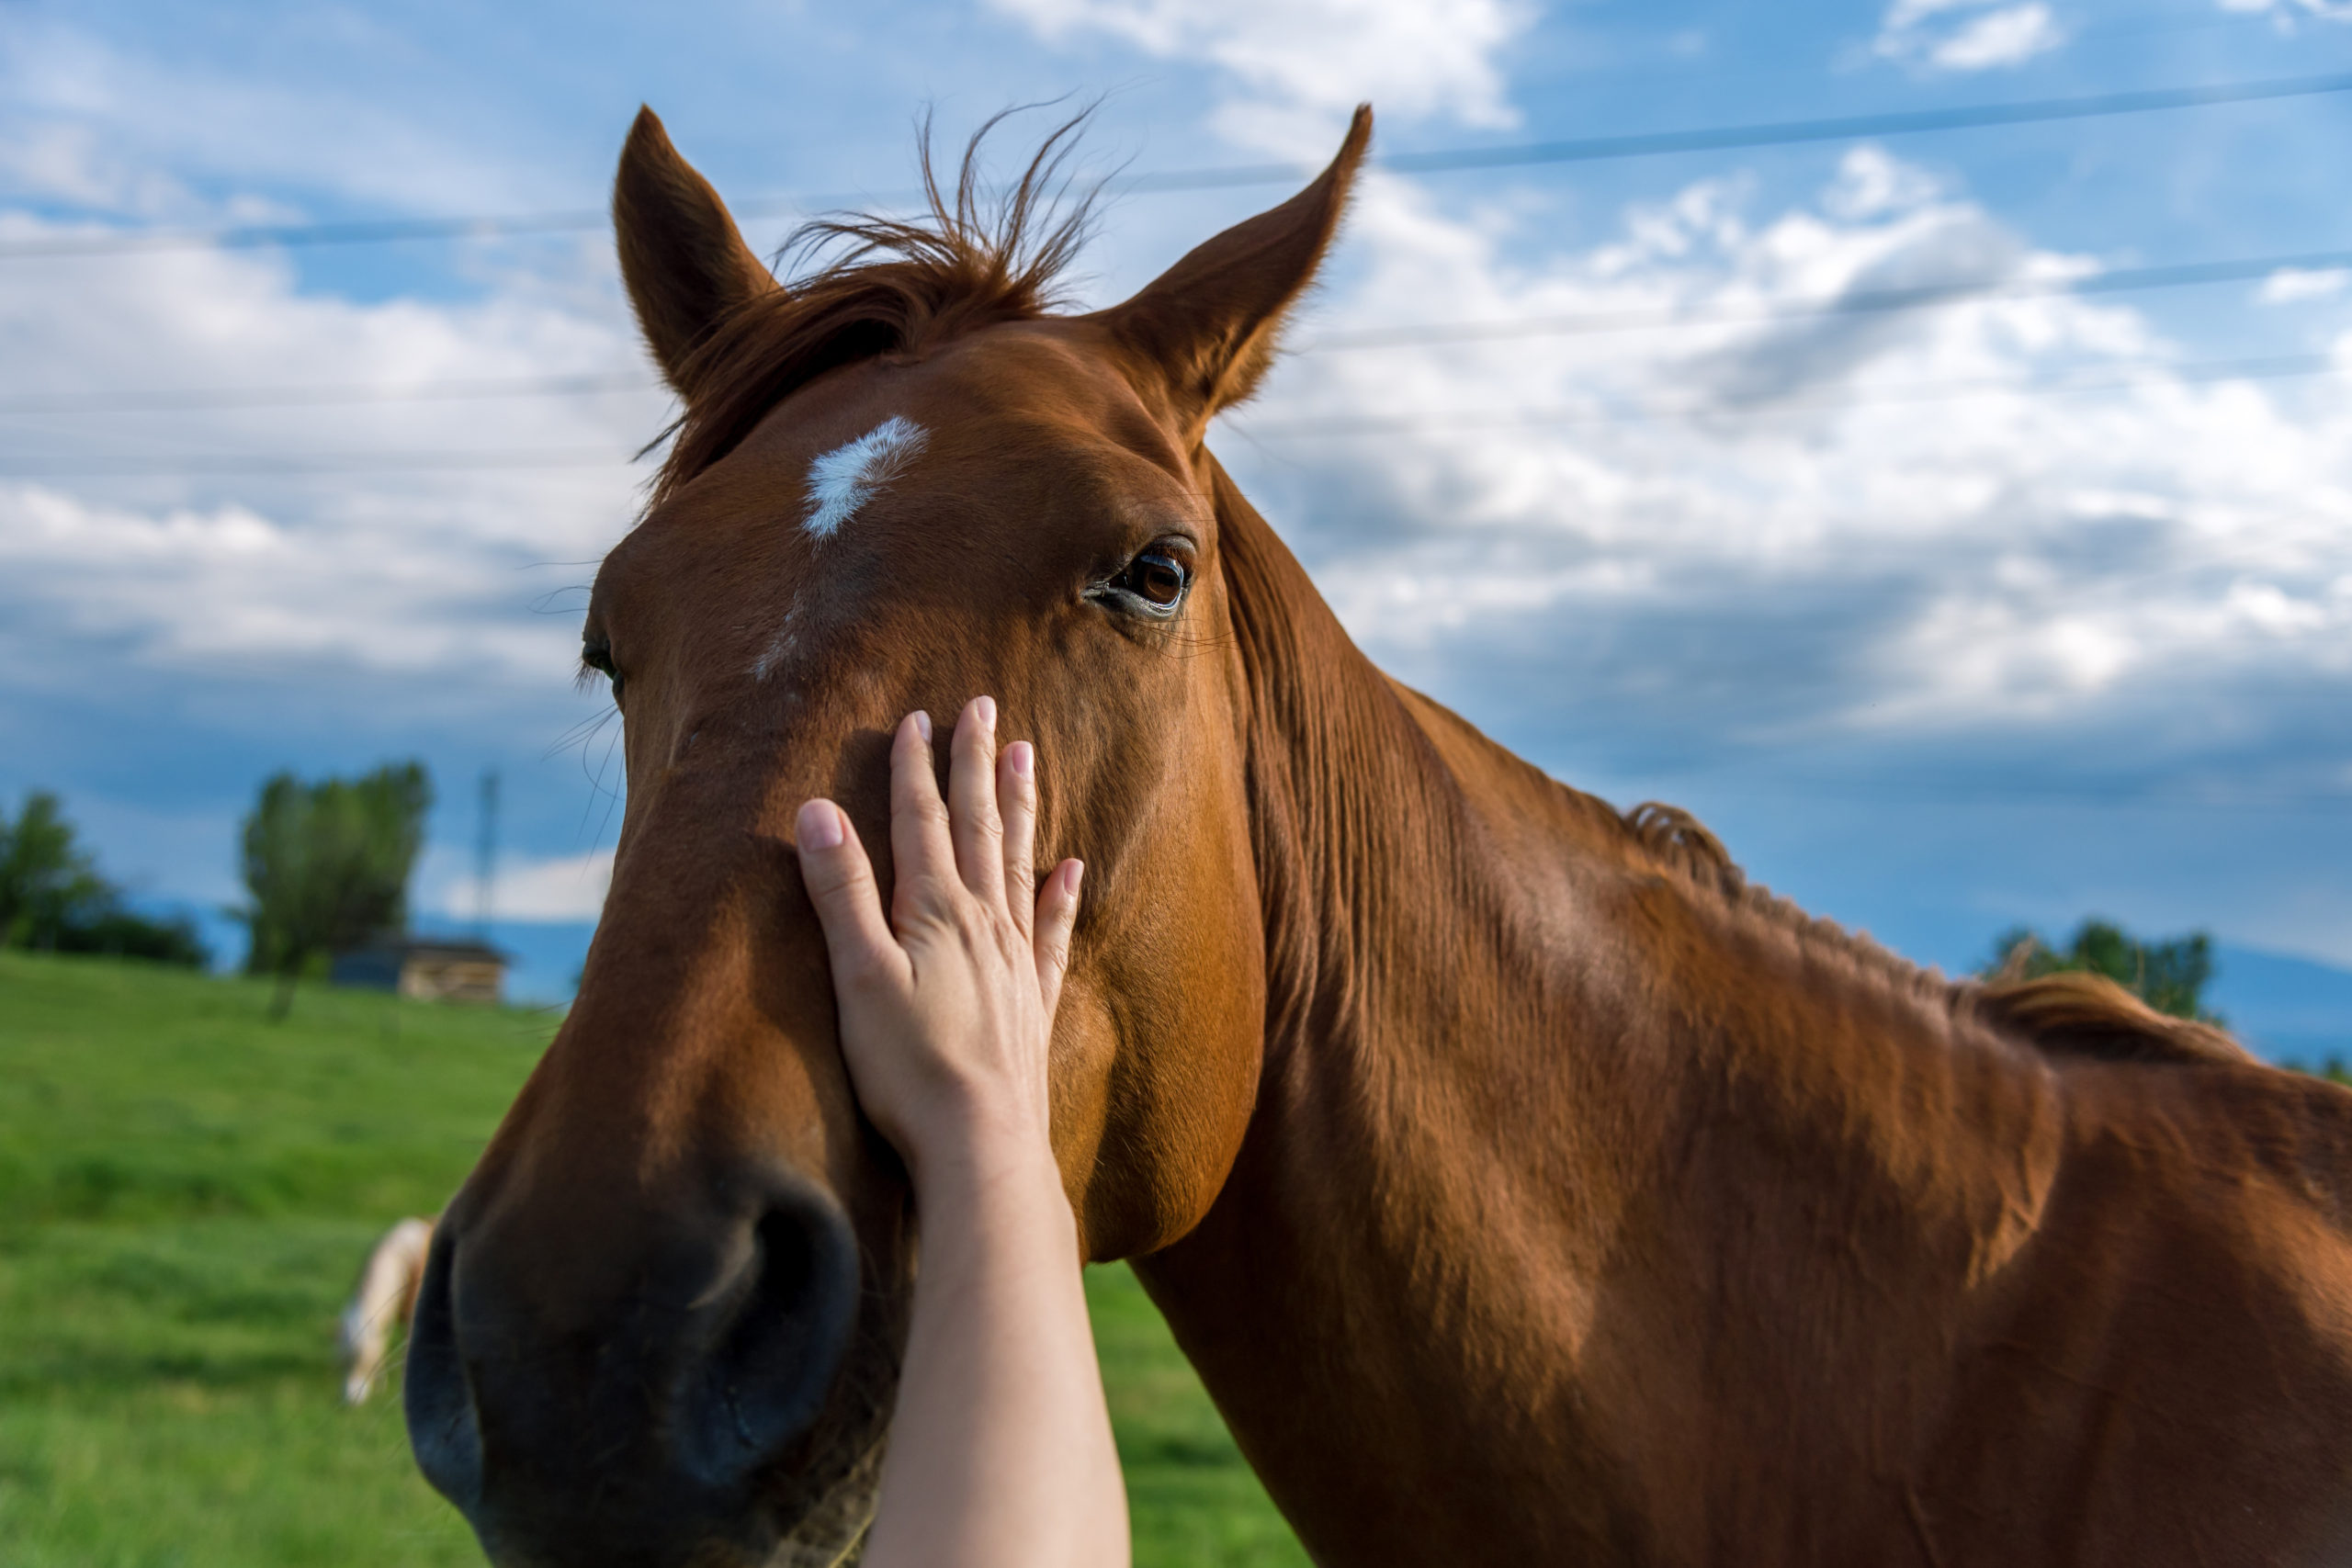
<point x="185" y="1193"/>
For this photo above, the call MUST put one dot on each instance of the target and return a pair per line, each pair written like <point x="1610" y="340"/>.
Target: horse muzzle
<point x="695" y="1413"/>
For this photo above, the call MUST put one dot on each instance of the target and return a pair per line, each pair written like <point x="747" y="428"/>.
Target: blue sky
<point x="2016" y="609"/>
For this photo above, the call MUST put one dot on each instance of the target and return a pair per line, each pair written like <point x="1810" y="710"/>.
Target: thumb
<point x="1056" y="916"/>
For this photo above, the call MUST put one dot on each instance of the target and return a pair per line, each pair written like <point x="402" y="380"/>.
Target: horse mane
<point x="878" y="284"/>
<point x="2066" y="1014"/>
<point x="2076" y="1014"/>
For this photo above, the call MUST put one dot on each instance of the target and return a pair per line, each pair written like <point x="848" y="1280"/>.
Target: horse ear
<point x="1211" y="321"/>
<point x="685" y="262"/>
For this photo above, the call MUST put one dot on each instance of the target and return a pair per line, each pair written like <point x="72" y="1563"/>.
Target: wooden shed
<point x="428" y="969"/>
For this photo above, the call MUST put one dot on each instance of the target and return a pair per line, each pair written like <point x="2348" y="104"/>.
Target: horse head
<point x="662" y="1316"/>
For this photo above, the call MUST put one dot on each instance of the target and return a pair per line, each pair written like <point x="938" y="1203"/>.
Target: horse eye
<point x="598" y="655"/>
<point x="1157" y="579"/>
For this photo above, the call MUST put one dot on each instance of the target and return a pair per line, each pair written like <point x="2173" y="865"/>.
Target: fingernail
<point x="1077" y="876"/>
<point x="986" y="708"/>
<point x="923" y="725"/>
<point x="821" y="826"/>
<point x="1023" y="758"/>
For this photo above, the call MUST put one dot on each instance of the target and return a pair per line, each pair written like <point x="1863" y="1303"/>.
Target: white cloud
<point x="1966" y="35"/>
<point x="69" y="163"/>
<point x="229" y="589"/>
<point x="415" y="572"/>
<point x="2290" y="285"/>
<point x="1871" y="181"/>
<point x="2287" y="12"/>
<point x="564" y="888"/>
<point x="1297" y="65"/>
<point x="88" y="119"/>
<point x="1874" y="523"/>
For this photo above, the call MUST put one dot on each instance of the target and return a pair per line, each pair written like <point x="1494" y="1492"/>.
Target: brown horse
<point x="1526" y="1187"/>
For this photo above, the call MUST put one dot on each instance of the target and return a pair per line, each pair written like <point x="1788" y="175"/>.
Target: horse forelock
<point x="879" y="285"/>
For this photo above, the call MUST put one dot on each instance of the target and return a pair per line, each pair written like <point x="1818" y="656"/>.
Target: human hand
<point x="948" y="1005"/>
<point x="1001" y="1449"/>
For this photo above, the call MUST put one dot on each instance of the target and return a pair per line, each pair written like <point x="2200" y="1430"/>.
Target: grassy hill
<point x="185" y="1193"/>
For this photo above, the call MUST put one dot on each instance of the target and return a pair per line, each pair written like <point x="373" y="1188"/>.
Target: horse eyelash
<point x="596" y="659"/>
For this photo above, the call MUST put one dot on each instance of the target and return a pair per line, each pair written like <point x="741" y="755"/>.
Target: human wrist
<point x="968" y="1125"/>
<point x="984" y="1164"/>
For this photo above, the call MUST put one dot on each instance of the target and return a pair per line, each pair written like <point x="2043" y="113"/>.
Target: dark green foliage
<point x="327" y="866"/>
<point x="2169" y="977"/>
<point x="47" y="881"/>
<point x="120" y="933"/>
<point x="51" y="897"/>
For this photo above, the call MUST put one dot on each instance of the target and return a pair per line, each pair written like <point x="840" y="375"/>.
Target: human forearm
<point x="1001" y="1454"/>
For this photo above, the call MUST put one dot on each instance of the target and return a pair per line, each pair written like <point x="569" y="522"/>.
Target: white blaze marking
<point x="780" y="647"/>
<point x="845" y="477"/>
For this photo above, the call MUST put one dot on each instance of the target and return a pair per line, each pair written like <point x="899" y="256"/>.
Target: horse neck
<point x="1446" y="929"/>
<point x="1501" y="1035"/>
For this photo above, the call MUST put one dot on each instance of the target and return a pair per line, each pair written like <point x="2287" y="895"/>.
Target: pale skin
<point x="1000" y="1451"/>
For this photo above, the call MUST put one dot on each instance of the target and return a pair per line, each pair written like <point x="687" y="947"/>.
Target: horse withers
<point x="1525" y="1185"/>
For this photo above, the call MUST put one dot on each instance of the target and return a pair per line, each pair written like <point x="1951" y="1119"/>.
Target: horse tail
<point x="386" y="1294"/>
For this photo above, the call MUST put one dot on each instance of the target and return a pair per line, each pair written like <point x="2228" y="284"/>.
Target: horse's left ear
<point x="685" y="262"/>
<point x="1210" y="322"/>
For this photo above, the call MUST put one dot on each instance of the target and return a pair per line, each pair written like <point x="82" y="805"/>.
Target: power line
<point x="1584" y="149"/>
<point x="2269" y="368"/>
<point x="1857" y="302"/>
<point x="185" y="400"/>
<point x="130" y="465"/>
<point x="1925" y="296"/>
<point x="1791" y="132"/>
<point x="253" y="236"/>
<point x="293" y="465"/>
<point x="2118" y="796"/>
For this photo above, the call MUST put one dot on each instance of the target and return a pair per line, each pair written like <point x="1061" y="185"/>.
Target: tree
<point x="52" y="898"/>
<point x="327" y="867"/>
<point x="45" y="880"/>
<point x="2169" y="977"/>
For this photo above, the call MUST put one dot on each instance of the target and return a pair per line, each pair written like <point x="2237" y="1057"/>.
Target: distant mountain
<point x="2288" y="1009"/>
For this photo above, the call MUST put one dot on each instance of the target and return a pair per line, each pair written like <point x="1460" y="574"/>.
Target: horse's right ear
<point x="1209" y="323"/>
<point x="685" y="262"/>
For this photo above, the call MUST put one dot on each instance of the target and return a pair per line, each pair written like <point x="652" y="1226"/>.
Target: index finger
<point x="840" y="882"/>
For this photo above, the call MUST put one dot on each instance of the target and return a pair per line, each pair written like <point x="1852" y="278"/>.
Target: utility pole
<point x="486" y="854"/>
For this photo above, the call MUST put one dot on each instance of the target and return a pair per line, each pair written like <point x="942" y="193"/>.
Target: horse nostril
<point x="443" y="1429"/>
<point x="768" y="1375"/>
